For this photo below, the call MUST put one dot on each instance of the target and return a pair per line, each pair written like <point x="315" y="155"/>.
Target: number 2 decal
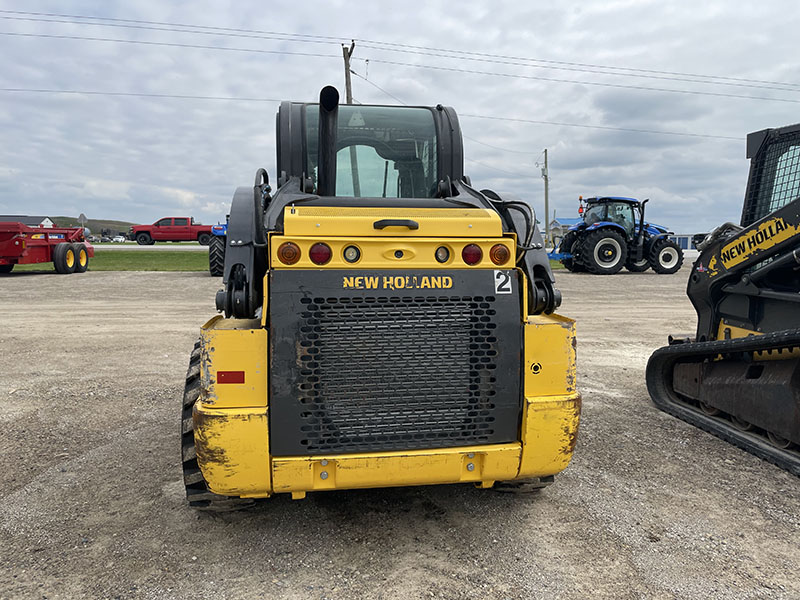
<point x="502" y="282"/>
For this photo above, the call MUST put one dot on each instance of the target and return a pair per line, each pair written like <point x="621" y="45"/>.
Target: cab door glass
<point x="622" y="215"/>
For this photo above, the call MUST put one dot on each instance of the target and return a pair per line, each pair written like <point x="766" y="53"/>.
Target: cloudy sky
<point x="598" y="80"/>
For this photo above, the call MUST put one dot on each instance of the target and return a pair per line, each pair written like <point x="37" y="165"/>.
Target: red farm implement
<point x="65" y="247"/>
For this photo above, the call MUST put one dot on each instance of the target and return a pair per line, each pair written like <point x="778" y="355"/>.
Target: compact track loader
<point x="385" y="323"/>
<point x="739" y="376"/>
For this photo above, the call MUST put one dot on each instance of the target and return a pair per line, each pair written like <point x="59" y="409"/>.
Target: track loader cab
<point x="738" y="376"/>
<point x="385" y="323"/>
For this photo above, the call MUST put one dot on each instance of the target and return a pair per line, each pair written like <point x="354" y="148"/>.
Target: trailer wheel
<point x="203" y="239"/>
<point x="144" y="239"/>
<point x="64" y="258"/>
<point x="216" y="256"/>
<point x="4" y="269"/>
<point x="81" y="258"/>
<point x="666" y="257"/>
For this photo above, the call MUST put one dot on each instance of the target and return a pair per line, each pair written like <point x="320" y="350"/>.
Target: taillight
<point x="472" y="254"/>
<point x="499" y="254"/>
<point x="320" y="253"/>
<point x="288" y="253"/>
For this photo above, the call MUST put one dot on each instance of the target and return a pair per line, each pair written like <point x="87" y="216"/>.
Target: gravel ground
<point x="91" y="502"/>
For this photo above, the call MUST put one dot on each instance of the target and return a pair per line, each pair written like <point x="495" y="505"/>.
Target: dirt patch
<point x="91" y="502"/>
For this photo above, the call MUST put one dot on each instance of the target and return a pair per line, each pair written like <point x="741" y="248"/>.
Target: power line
<point x="578" y="82"/>
<point x="402" y="64"/>
<point x="461" y="115"/>
<point x="392" y="46"/>
<point x="137" y="94"/>
<point x="496" y="169"/>
<point x="177" y="29"/>
<point x="388" y="47"/>
<point x="169" y="44"/>
<point x="627" y="129"/>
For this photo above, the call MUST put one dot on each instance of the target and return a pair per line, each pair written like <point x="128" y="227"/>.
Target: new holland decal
<point x="397" y="282"/>
<point x="765" y="236"/>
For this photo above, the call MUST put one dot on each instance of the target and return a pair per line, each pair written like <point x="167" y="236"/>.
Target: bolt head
<point x="323" y="475"/>
<point x="470" y="467"/>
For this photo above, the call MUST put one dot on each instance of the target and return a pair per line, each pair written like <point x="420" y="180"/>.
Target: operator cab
<point x="612" y="209"/>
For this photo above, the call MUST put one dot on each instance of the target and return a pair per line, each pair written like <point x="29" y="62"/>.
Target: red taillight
<point x="288" y="253"/>
<point x="320" y="253"/>
<point x="499" y="254"/>
<point x="472" y="254"/>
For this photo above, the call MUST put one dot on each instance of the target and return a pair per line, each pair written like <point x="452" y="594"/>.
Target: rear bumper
<point x="232" y="431"/>
<point x="233" y="453"/>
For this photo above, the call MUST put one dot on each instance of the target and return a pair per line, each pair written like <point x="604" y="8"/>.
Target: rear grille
<point x="392" y="372"/>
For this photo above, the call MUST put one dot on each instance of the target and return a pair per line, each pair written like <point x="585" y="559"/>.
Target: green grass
<point x="155" y="260"/>
<point x="150" y="260"/>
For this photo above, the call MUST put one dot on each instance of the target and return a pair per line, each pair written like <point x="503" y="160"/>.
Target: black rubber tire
<point x="216" y="256"/>
<point x="5" y="269"/>
<point x="603" y="241"/>
<point x="197" y="493"/>
<point x="81" y="258"/>
<point x="203" y="239"/>
<point x="144" y="239"/>
<point x="640" y="268"/>
<point x="567" y="245"/>
<point x="64" y="258"/>
<point x="661" y="250"/>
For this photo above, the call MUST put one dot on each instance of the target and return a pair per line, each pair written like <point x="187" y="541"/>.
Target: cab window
<point x="164" y="222"/>
<point x="181" y="222"/>
<point x="381" y="152"/>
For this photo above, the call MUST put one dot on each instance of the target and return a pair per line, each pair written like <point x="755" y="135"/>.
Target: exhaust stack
<point x="328" y="124"/>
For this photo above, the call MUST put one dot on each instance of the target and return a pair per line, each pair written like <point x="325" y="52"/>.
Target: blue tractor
<point x="216" y="248"/>
<point x="614" y="234"/>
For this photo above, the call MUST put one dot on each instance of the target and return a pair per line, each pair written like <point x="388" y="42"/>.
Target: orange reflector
<point x="230" y="376"/>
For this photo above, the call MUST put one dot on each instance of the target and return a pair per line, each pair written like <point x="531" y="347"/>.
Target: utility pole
<point x="546" y="177"/>
<point x="348" y="94"/>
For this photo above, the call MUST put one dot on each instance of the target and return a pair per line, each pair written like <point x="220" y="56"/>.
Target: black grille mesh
<point x="774" y="179"/>
<point x="397" y="372"/>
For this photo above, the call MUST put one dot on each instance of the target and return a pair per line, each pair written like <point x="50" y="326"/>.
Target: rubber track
<point x="216" y="256"/>
<point x="197" y="492"/>
<point x="660" y="385"/>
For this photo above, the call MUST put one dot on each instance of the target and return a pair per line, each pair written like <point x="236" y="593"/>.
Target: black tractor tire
<point x="216" y="256"/>
<point x="603" y="252"/>
<point x="197" y="493"/>
<point x="81" y="258"/>
<point x="567" y="245"/>
<point x="144" y="239"/>
<point x="203" y="239"/>
<point x="5" y="269"/>
<point x="639" y="267"/>
<point x="64" y="258"/>
<point x="666" y="257"/>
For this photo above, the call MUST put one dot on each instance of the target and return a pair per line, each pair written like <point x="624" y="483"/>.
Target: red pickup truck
<point x="171" y="229"/>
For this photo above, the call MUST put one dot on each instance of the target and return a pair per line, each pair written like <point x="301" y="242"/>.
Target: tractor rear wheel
<point x="197" y="493"/>
<point x="603" y="252"/>
<point x="666" y="257"/>
<point x="81" y="258"/>
<point x="64" y="258"/>
<point x="216" y="256"/>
